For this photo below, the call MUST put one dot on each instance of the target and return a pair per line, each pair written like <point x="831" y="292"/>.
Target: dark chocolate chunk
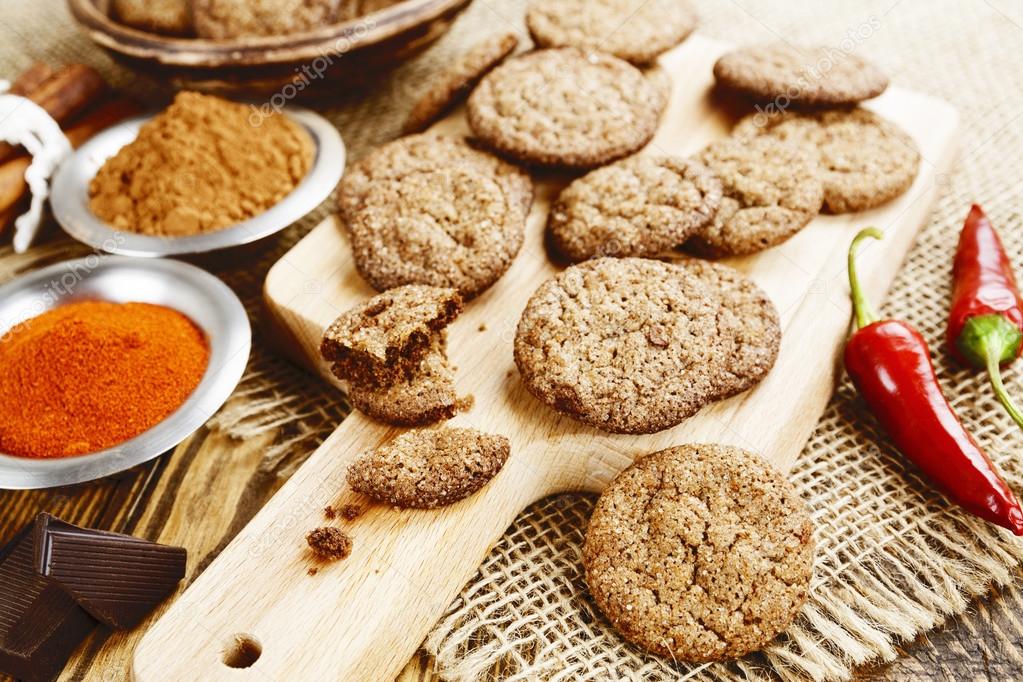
<point x="40" y="624"/>
<point x="117" y="578"/>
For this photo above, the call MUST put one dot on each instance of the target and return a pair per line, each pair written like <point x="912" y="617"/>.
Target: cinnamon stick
<point x="31" y="78"/>
<point x="12" y="173"/>
<point x="63" y="95"/>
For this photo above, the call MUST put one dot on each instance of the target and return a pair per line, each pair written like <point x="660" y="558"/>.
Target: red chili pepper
<point x="891" y="366"/>
<point x="985" y="324"/>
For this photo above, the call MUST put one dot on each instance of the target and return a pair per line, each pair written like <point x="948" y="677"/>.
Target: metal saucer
<point x="69" y="194"/>
<point x="202" y="297"/>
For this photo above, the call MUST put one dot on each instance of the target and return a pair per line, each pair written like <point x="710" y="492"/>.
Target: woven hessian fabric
<point x="894" y="559"/>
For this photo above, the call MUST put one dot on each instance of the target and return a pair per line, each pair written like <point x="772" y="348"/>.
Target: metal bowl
<point x="202" y="297"/>
<point x="70" y="195"/>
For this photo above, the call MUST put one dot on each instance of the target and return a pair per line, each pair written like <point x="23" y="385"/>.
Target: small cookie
<point x="772" y="190"/>
<point x="566" y="107"/>
<point x="456" y="81"/>
<point x="630" y="30"/>
<point x="432" y="210"/>
<point x="424" y="395"/>
<point x="700" y="553"/>
<point x="809" y="76"/>
<point x="866" y="160"/>
<point x="631" y="345"/>
<point x="226" y="19"/>
<point x="642" y="205"/>
<point x="429" y="468"/>
<point x="376" y="341"/>
<point x="170" y="17"/>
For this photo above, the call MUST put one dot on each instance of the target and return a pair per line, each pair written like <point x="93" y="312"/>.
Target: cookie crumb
<point x="351" y="512"/>
<point x="465" y="403"/>
<point x="329" y="543"/>
<point x="312" y="570"/>
<point x="329" y="512"/>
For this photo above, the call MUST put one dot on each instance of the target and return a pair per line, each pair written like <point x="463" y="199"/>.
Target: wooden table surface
<point x="203" y="493"/>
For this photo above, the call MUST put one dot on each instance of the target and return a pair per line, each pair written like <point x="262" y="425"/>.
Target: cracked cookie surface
<point x="424" y="394"/>
<point x="809" y="75"/>
<point x="566" y="107"/>
<point x="456" y="81"/>
<point x="642" y="205"/>
<point x="430" y="468"/>
<point x="377" y="340"/>
<point x="699" y="552"/>
<point x="632" y="30"/>
<point x="225" y="19"/>
<point x="631" y="345"/>
<point x="432" y="210"/>
<point x="772" y="190"/>
<point x="866" y="160"/>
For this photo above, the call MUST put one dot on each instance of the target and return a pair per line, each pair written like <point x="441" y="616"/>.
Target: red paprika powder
<point x="89" y="375"/>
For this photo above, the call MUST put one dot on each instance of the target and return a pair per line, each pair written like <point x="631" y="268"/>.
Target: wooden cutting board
<point x="363" y="618"/>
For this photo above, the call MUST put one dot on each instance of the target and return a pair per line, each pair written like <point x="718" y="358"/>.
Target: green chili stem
<point x="861" y="306"/>
<point x="994" y="372"/>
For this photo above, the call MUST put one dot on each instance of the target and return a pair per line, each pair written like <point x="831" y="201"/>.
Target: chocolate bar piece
<point x="117" y="578"/>
<point x="40" y="624"/>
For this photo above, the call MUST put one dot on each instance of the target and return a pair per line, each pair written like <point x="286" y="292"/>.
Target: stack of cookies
<point x="699" y="552"/>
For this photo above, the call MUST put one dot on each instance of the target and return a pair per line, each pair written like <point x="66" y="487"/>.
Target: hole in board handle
<point x="242" y="651"/>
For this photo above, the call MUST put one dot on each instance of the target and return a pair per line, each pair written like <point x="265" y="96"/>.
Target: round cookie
<point x="433" y="210"/>
<point x="226" y="19"/>
<point x="642" y="205"/>
<point x="866" y="160"/>
<point x="455" y="82"/>
<point x="431" y="468"/>
<point x="566" y="107"/>
<point x="631" y="345"/>
<point x="171" y="17"/>
<point x="772" y="190"/>
<point x="630" y="30"/>
<point x="700" y="553"/>
<point x="809" y="76"/>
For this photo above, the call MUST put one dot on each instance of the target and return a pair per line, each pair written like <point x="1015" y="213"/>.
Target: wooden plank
<point x="364" y="617"/>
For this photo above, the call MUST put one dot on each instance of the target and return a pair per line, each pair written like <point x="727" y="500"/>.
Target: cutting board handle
<point x="265" y="608"/>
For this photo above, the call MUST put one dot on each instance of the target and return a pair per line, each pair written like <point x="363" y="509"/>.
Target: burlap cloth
<point x="894" y="558"/>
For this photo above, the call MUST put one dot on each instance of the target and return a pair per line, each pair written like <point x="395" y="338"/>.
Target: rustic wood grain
<point x="984" y="644"/>
<point x="406" y="566"/>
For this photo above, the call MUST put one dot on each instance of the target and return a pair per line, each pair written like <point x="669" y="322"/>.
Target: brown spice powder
<point x="201" y="165"/>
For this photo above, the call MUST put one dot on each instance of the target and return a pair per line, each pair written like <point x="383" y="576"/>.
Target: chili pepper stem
<point x="994" y="372"/>
<point x="861" y="306"/>
<point x="987" y="341"/>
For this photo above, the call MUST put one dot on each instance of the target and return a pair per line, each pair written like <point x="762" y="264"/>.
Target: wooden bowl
<point x="312" y="63"/>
